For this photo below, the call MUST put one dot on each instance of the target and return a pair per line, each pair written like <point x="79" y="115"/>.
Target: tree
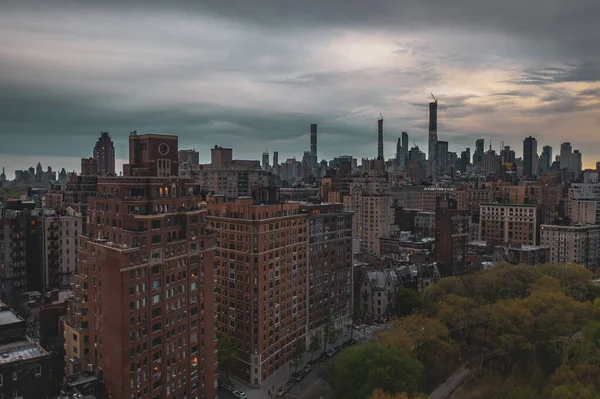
<point x="407" y="301"/>
<point x="226" y="355"/>
<point x="523" y="392"/>
<point x="379" y="394"/>
<point x="298" y="354"/>
<point x="357" y="315"/>
<point x="429" y="342"/>
<point x="359" y="370"/>
<point x="574" y="279"/>
<point x="329" y="331"/>
<point x="315" y="344"/>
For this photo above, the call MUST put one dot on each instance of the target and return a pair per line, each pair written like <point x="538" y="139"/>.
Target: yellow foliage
<point x="379" y="394"/>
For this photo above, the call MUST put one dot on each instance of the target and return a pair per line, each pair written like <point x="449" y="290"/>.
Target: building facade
<point x="572" y="244"/>
<point x="329" y="265"/>
<point x="370" y="200"/>
<point x="61" y="241"/>
<point x="261" y="281"/>
<point x="451" y="237"/>
<point x="509" y="224"/>
<point x="104" y="154"/>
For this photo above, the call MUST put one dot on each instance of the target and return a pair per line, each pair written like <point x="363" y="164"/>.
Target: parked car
<point x="239" y="394"/>
<point x="227" y="387"/>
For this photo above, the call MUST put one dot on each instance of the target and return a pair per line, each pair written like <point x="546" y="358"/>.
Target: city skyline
<point x="198" y="73"/>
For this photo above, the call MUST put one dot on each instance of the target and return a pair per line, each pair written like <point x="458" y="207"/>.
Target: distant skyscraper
<point x="402" y="151"/>
<point x="432" y="150"/>
<point x="380" y="138"/>
<point x="507" y="155"/>
<point x="104" y="154"/>
<point x="313" y="139"/>
<point x="442" y="155"/>
<point x="546" y="159"/>
<point x="276" y="158"/>
<point x="478" y="154"/>
<point x="530" y="156"/>
<point x="265" y="161"/>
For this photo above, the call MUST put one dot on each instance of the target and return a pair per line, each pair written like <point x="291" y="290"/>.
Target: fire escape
<point x="17" y="274"/>
<point x="53" y="254"/>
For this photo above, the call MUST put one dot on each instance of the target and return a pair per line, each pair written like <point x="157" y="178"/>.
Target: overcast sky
<point x="253" y="75"/>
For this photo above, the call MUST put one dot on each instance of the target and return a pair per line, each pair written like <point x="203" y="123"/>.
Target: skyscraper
<point x="546" y="159"/>
<point x="530" y="156"/>
<point x="276" y="158"/>
<point x="402" y="151"/>
<point x="478" y="154"/>
<point x="380" y="138"/>
<point x="432" y="150"/>
<point x="313" y="139"/>
<point x="265" y="161"/>
<point x="104" y="154"/>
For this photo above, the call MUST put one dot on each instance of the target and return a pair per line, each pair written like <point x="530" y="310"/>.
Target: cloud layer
<point x="255" y="74"/>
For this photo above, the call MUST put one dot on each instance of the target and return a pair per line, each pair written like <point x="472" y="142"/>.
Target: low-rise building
<point x="572" y="244"/>
<point x="24" y="364"/>
<point x="514" y="224"/>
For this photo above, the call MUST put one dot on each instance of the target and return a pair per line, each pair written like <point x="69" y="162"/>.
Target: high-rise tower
<point x="530" y="156"/>
<point x="104" y="154"/>
<point x="432" y="150"/>
<point x="380" y="138"/>
<point x="313" y="139"/>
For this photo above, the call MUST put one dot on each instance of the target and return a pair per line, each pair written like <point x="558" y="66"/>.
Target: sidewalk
<point x="281" y="376"/>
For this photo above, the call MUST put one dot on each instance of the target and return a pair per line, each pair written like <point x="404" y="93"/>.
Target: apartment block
<point x="329" y="265"/>
<point x="582" y="211"/>
<point x="21" y="250"/>
<point x="142" y="309"/>
<point x="261" y="281"/>
<point x="227" y="176"/>
<point x="24" y="366"/>
<point x="451" y="237"/>
<point x="61" y="241"/>
<point x="407" y="197"/>
<point x="572" y="244"/>
<point x="514" y="224"/>
<point x="429" y="197"/>
<point x="370" y="200"/>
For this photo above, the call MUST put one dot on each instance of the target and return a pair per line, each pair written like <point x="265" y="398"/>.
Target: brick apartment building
<point x="451" y="237"/>
<point x="515" y="224"/>
<point x="329" y="265"/>
<point x="261" y="273"/>
<point x="143" y="304"/>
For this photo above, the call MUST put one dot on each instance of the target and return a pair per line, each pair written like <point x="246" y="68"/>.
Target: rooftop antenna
<point x="434" y="99"/>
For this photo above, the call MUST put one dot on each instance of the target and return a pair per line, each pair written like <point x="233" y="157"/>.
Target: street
<point x="311" y="386"/>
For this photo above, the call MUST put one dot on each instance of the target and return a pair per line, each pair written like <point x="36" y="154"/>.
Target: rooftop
<point x="7" y="316"/>
<point x="23" y="349"/>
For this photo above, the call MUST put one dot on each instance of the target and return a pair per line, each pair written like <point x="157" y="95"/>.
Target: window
<point x="155" y="299"/>
<point x="1" y="381"/>
<point x="14" y="375"/>
<point x="156" y="284"/>
<point x="38" y="371"/>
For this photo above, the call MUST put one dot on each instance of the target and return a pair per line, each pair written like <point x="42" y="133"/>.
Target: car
<point x="239" y="394"/>
<point x="227" y="387"/>
<point x="331" y="352"/>
<point x="283" y="390"/>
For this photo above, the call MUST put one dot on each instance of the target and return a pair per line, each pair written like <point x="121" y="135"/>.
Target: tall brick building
<point x="261" y="275"/>
<point x="143" y="305"/>
<point x="329" y="265"/>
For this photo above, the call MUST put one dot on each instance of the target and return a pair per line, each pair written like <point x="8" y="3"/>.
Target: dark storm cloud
<point x="255" y="74"/>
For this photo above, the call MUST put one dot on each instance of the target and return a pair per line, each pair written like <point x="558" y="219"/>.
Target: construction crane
<point x="381" y="116"/>
<point x="434" y="99"/>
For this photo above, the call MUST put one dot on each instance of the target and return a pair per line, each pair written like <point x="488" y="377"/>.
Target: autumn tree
<point x="226" y="355"/>
<point x="359" y="370"/>
<point x="407" y="301"/>
<point x="315" y="344"/>
<point x="429" y="341"/>
<point x="298" y="354"/>
<point x="357" y="315"/>
<point x="379" y="394"/>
